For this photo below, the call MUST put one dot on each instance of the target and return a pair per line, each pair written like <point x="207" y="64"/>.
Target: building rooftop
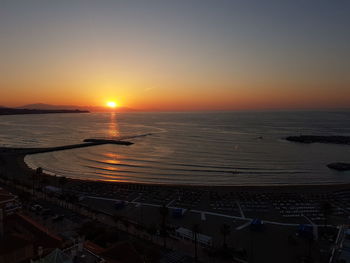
<point x="12" y="242"/>
<point x="6" y="196"/>
<point x="33" y="231"/>
<point x="121" y="253"/>
<point x="56" y="256"/>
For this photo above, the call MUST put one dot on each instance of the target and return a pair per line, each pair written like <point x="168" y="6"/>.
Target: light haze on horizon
<point x="176" y="55"/>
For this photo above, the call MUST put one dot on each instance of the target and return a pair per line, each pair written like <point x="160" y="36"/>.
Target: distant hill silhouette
<point x="16" y="111"/>
<point x="42" y="106"/>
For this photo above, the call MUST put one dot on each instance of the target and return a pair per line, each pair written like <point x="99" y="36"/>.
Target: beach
<point x="14" y="168"/>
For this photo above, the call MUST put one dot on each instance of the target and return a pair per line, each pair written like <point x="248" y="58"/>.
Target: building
<point x="9" y="203"/>
<point x="122" y="252"/>
<point x="15" y="248"/>
<point x="21" y="238"/>
<point x="186" y="234"/>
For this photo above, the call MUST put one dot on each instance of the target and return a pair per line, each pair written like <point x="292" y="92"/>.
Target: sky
<point x="176" y="55"/>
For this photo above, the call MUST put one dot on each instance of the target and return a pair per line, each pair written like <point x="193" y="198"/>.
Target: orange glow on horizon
<point x="188" y="98"/>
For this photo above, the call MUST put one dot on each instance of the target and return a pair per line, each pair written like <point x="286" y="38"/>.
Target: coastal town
<point x="178" y="131"/>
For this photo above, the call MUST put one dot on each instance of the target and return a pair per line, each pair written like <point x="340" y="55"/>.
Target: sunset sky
<point x="176" y="55"/>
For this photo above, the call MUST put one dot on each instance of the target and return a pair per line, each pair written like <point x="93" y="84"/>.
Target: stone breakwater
<point x="319" y="139"/>
<point x="325" y="139"/>
<point x="339" y="166"/>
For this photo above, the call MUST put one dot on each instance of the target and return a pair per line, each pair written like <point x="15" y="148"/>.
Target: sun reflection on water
<point x="113" y="129"/>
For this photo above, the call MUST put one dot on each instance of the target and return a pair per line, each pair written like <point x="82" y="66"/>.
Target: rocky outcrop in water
<point x="319" y="139"/>
<point x="339" y="166"/>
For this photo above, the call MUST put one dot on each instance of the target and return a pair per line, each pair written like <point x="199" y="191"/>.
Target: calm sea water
<point x="186" y="148"/>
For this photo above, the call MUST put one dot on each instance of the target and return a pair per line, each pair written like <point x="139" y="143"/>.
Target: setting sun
<point x="112" y="104"/>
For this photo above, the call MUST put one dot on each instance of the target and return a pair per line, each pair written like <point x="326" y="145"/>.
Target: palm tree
<point x="164" y="211"/>
<point x="126" y="224"/>
<point x="152" y="230"/>
<point x="117" y="219"/>
<point x="4" y="178"/>
<point x="62" y="181"/>
<point x="140" y="229"/>
<point x="35" y="176"/>
<point x="195" y="231"/>
<point x="39" y="175"/>
<point x="310" y="240"/>
<point x="44" y="181"/>
<point x="25" y="198"/>
<point x="326" y="208"/>
<point x="225" y="230"/>
<point x="33" y="182"/>
<point x="15" y="182"/>
<point x="87" y="210"/>
<point x="72" y="201"/>
<point x="39" y="171"/>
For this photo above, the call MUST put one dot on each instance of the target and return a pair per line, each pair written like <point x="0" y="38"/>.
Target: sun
<point x="112" y="104"/>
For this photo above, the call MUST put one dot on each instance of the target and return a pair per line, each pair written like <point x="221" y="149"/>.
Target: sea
<point x="188" y="148"/>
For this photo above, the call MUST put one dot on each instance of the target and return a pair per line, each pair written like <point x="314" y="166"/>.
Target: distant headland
<point x="13" y="111"/>
<point x="43" y="106"/>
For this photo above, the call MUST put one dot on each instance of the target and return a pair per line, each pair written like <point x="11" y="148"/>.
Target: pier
<point x="86" y="143"/>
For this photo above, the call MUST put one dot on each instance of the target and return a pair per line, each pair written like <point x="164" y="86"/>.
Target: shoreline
<point x="277" y="185"/>
<point x="14" y="166"/>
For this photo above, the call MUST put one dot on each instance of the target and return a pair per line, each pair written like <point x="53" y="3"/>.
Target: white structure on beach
<point x="186" y="234"/>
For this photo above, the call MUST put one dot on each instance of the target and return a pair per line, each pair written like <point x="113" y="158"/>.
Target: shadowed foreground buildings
<point x="264" y="224"/>
<point x="24" y="239"/>
<point x="38" y="230"/>
<point x="20" y="237"/>
<point x="14" y="247"/>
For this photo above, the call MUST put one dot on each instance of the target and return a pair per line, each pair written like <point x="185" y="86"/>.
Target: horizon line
<point x="130" y="110"/>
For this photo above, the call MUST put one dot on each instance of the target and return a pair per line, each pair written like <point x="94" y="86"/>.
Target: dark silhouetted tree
<point x="36" y="176"/>
<point x="195" y="230"/>
<point x="225" y="230"/>
<point x="164" y="212"/>
<point x="152" y="230"/>
<point x="326" y="208"/>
